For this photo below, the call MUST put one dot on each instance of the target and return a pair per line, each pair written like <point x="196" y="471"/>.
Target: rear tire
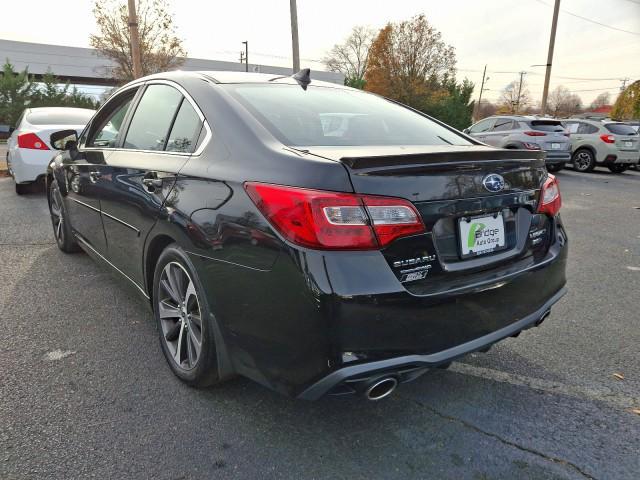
<point x="555" y="167"/>
<point x="60" y="221"/>
<point x="184" y="319"/>
<point x="583" y="160"/>
<point x="618" y="167"/>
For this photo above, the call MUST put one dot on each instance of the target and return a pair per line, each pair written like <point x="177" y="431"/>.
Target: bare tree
<point x="515" y="97"/>
<point x="563" y="103"/>
<point x="160" y="48"/>
<point x="352" y="56"/>
<point x="601" y="100"/>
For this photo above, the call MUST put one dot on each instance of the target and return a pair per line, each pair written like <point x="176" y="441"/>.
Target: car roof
<point x="57" y="109"/>
<point x="227" y="77"/>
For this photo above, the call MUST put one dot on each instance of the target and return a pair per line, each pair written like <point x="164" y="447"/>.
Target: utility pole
<point x="246" y="56"/>
<point x="552" y="43"/>
<point x="135" y="40"/>
<point x="477" y="113"/>
<point x="522" y="74"/>
<point x="294" y="36"/>
<point x="624" y="83"/>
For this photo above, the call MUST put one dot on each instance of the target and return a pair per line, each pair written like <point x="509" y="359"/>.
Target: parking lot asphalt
<point x="85" y="391"/>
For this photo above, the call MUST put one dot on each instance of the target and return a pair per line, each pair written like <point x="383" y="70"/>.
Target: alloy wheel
<point x="582" y="161"/>
<point x="57" y="215"/>
<point x="180" y="315"/>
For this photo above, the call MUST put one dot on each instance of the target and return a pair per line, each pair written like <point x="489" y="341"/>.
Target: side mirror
<point x="64" y="139"/>
<point x="466" y="130"/>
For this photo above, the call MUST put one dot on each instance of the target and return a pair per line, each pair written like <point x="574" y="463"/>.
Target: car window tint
<point x="620" y="128"/>
<point x="482" y="125"/>
<point x="587" y="129"/>
<point x="502" y="125"/>
<point x="106" y="135"/>
<point x="185" y="130"/>
<point x="153" y="117"/>
<point x="547" y="125"/>
<point x="335" y="117"/>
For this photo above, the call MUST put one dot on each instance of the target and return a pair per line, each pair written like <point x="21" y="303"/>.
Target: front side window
<point x="483" y="125"/>
<point x="185" y="130"/>
<point x="572" y="127"/>
<point x="323" y="116"/>
<point x="109" y="124"/>
<point x="149" y="128"/>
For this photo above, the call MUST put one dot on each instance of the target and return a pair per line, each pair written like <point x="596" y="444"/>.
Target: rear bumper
<point x="622" y="157"/>
<point x="417" y="364"/>
<point x="555" y="156"/>
<point x="28" y="165"/>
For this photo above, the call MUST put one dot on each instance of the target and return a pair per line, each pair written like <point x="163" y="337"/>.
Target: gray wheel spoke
<point x="178" y="353"/>
<point x="196" y="320"/>
<point x="168" y="311"/>
<point x="197" y="343"/>
<point x="191" y="354"/>
<point x="167" y="288"/>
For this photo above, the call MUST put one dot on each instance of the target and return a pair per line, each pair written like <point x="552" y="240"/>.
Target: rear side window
<point x="546" y="125"/>
<point x="336" y="117"/>
<point x="185" y="130"/>
<point x="587" y="129"/>
<point x="153" y="117"/>
<point x="59" y="117"/>
<point x="620" y="129"/>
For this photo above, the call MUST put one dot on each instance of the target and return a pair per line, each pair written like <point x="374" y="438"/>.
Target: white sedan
<point x="29" y="151"/>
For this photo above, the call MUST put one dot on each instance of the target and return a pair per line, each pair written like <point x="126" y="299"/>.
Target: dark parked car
<point x="313" y="261"/>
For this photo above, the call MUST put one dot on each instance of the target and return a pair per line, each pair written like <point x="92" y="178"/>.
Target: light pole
<point x="294" y="36"/>
<point x="481" y="90"/>
<point x="135" y="40"/>
<point x="246" y="56"/>
<point x="552" y="42"/>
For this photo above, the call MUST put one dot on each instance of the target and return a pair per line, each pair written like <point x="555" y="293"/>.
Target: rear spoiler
<point x="442" y="158"/>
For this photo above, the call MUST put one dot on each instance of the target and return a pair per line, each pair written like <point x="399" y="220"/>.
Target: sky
<point x="508" y="36"/>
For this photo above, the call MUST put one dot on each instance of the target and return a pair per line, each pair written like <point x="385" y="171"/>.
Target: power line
<point x="591" y="20"/>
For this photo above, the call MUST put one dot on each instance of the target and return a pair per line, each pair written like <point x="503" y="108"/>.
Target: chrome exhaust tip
<point x="381" y="388"/>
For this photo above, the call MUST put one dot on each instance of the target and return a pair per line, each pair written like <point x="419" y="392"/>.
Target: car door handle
<point x="94" y="176"/>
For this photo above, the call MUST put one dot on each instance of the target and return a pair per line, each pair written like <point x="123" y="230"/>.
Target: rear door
<point x="161" y="134"/>
<point x="500" y="130"/>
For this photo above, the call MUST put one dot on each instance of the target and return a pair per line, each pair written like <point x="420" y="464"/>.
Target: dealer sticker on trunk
<point x="481" y="234"/>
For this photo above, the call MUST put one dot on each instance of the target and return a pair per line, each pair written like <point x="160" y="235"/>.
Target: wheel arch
<point x="586" y="147"/>
<point x="153" y="251"/>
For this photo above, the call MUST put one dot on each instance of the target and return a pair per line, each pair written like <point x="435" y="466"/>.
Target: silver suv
<point x="611" y="144"/>
<point x="528" y="133"/>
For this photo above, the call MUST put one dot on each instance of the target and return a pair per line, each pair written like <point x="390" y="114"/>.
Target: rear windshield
<point x="547" y="125"/>
<point x="334" y="117"/>
<point x="620" y="128"/>
<point x="60" y="117"/>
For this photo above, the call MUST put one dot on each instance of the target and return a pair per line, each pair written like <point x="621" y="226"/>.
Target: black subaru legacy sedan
<point x="312" y="237"/>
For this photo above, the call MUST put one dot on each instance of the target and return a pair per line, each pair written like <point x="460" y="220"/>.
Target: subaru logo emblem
<point x="493" y="182"/>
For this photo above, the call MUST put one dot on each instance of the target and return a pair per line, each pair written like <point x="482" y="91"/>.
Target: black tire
<point x="555" y="167"/>
<point x="618" y="167"/>
<point x="62" y="231"/>
<point x="179" y="327"/>
<point x="22" y="188"/>
<point x="583" y="160"/>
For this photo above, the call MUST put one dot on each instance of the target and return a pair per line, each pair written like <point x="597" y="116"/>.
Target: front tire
<point x="60" y="221"/>
<point x="184" y="319"/>
<point x="618" y="167"/>
<point x="583" y="160"/>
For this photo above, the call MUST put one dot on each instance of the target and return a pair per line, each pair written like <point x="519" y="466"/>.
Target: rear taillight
<point x="31" y="141"/>
<point x="550" y="200"/>
<point x="332" y="220"/>
<point x="533" y="133"/>
<point x="607" y="138"/>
